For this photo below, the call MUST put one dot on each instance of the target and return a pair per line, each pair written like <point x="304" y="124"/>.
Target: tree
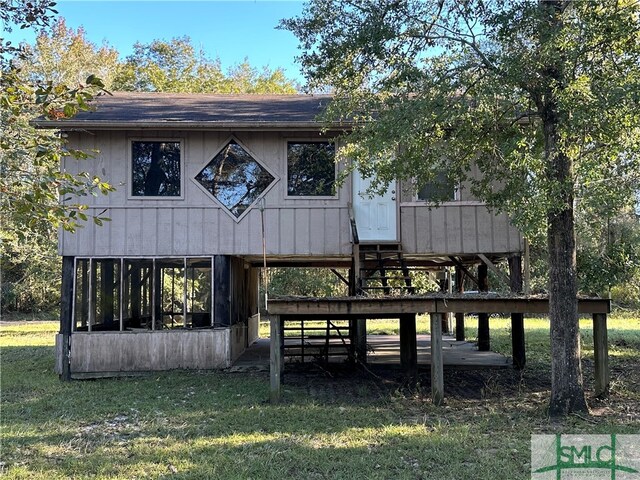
<point x="609" y="254"/>
<point x="542" y="96"/>
<point x="61" y="55"/>
<point x="35" y="195"/>
<point x="176" y="66"/>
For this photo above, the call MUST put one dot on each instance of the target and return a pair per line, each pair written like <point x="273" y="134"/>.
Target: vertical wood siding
<point x="457" y="229"/>
<point x="197" y="225"/>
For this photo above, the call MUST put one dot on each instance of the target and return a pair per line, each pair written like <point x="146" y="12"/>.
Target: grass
<point x="332" y="425"/>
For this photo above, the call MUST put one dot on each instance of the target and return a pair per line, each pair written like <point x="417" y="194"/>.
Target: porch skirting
<point x="119" y="352"/>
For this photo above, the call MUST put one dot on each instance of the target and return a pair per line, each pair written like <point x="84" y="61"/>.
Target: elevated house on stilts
<point x="207" y="184"/>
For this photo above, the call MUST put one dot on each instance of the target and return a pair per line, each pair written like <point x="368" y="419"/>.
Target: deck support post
<point x="66" y="319"/>
<point x="222" y="289"/>
<point x="437" y="375"/>
<point x="601" y="354"/>
<point x="408" y="345"/>
<point x="275" y="355"/>
<point x="358" y="325"/>
<point x="518" y="351"/>
<point x="484" y="341"/>
<point x="361" y="339"/>
<point x="459" y="315"/>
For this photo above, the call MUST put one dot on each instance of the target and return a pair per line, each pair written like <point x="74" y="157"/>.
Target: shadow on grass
<point x="333" y="424"/>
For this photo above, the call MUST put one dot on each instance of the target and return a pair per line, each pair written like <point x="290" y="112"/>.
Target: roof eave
<point x="186" y="125"/>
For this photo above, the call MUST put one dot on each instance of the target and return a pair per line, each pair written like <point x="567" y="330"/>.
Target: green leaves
<point x="176" y="66"/>
<point x="466" y="85"/>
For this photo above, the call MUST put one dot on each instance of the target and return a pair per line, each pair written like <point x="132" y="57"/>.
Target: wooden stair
<point x="383" y="270"/>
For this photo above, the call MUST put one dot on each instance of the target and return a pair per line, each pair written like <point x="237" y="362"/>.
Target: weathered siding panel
<point x="485" y="229"/>
<point x="438" y="230"/>
<point x="302" y="232"/>
<point x="452" y="229"/>
<point x="110" y="352"/>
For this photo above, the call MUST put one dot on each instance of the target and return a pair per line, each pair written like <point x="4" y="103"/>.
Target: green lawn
<point x="219" y="425"/>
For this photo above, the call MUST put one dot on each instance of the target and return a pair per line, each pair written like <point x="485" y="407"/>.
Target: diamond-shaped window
<point x="235" y="178"/>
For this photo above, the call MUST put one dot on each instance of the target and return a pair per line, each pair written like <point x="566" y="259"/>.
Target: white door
<point x="376" y="215"/>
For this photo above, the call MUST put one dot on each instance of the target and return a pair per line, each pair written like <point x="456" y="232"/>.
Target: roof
<point x="126" y="110"/>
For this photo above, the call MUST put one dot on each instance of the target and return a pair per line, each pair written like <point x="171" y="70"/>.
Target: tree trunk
<point x="567" y="392"/>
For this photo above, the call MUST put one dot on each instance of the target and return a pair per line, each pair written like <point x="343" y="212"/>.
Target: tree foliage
<point x="310" y="282"/>
<point x="177" y="66"/>
<point x="49" y="78"/>
<point x="542" y="97"/>
<point x="62" y="55"/>
<point x="36" y="196"/>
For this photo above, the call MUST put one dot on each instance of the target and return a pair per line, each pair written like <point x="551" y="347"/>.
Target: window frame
<point x="209" y="157"/>
<point x="183" y="156"/>
<point x="415" y="201"/>
<point x="335" y="196"/>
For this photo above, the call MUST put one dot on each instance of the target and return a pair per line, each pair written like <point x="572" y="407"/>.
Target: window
<point x="155" y="169"/>
<point x="235" y="178"/>
<point x="440" y="189"/>
<point x="311" y="169"/>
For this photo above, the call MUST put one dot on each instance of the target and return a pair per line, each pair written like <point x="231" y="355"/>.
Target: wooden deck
<point x="405" y="309"/>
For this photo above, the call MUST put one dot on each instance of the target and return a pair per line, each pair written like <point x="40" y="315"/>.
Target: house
<point x="208" y="187"/>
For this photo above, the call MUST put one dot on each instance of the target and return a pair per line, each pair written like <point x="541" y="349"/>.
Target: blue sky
<point x="230" y="30"/>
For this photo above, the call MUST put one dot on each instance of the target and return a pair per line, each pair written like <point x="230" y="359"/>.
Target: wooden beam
<point x="466" y="271"/>
<point x="357" y="280"/>
<point x="601" y="354"/>
<point x="484" y="335"/>
<point x="459" y="315"/>
<point x="66" y="317"/>
<point x="352" y="307"/>
<point x="527" y="268"/>
<point x="222" y="286"/>
<point x="340" y="276"/>
<point x="501" y="276"/>
<point x="275" y="359"/>
<point x="518" y="350"/>
<point x="156" y="300"/>
<point x="437" y="374"/>
<point x="409" y="345"/>
<point x="93" y="292"/>
<point x="361" y="339"/>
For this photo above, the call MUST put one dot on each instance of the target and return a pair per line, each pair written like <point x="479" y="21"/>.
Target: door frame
<point x="395" y="184"/>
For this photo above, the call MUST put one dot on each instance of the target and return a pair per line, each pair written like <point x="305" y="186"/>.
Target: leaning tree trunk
<point x="567" y="392"/>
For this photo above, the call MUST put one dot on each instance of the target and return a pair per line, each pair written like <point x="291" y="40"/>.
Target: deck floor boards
<point x="385" y="349"/>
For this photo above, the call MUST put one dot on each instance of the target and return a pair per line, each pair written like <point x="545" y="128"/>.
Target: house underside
<point x="134" y="314"/>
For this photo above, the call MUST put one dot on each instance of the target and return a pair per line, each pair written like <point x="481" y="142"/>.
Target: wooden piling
<point x="517" y="319"/>
<point x="66" y="300"/>
<point x="601" y="353"/>
<point x="437" y="375"/>
<point x="276" y="360"/>
<point x="408" y="345"/>
<point x="222" y="286"/>
<point x="484" y="341"/>
<point x="459" y="315"/>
